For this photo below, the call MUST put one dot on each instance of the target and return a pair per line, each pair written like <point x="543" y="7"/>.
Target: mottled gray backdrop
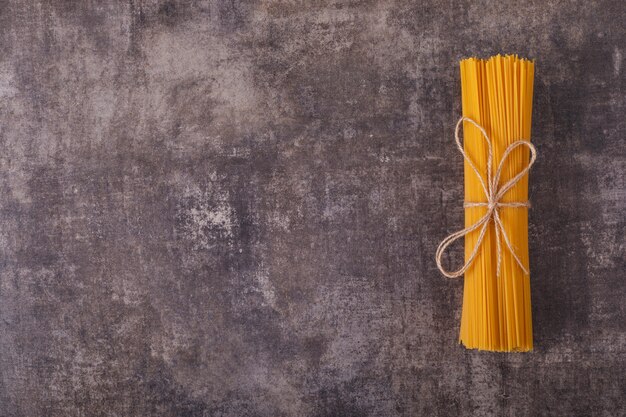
<point x="230" y="208"/>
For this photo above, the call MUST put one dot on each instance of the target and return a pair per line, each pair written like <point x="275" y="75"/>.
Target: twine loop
<point x="494" y="194"/>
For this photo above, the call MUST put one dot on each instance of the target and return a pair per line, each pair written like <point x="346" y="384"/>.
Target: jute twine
<point x="494" y="194"/>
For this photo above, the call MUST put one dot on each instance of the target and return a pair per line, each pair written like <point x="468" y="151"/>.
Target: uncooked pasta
<point x="497" y="105"/>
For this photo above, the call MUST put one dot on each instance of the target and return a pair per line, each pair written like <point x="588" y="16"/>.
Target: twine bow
<point x="494" y="194"/>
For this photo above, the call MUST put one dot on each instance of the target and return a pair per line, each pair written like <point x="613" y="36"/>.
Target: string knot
<point x="494" y="194"/>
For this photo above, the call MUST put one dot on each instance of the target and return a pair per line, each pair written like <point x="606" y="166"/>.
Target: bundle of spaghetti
<point x="497" y="95"/>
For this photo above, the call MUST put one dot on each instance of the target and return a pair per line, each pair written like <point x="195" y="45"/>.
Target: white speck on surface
<point x="266" y="287"/>
<point x="617" y="61"/>
<point x="207" y="217"/>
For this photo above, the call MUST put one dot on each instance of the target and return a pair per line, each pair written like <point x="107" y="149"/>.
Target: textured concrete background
<point x="231" y="208"/>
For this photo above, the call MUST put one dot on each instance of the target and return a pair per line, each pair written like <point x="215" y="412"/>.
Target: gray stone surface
<point x="229" y="208"/>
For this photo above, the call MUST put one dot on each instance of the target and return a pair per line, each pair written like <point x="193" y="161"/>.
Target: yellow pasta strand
<point x="497" y="94"/>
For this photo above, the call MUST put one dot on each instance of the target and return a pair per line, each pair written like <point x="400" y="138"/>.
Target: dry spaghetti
<point x="497" y="106"/>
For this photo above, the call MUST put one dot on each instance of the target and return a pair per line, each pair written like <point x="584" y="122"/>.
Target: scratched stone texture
<point x="229" y="208"/>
